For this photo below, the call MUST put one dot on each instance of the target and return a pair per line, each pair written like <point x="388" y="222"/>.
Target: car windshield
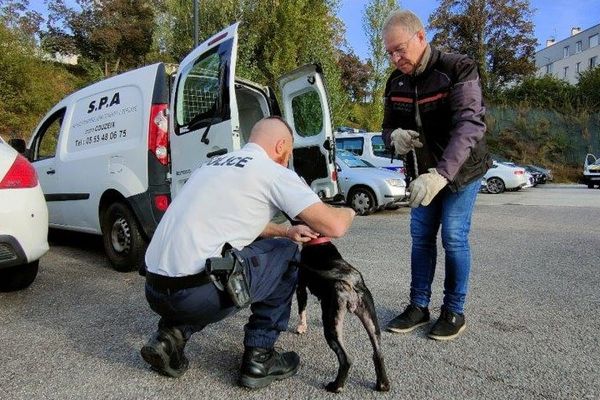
<point x="351" y="160"/>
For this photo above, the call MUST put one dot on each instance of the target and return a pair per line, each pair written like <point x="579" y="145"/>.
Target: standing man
<point x="434" y="117"/>
<point x="227" y="204"/>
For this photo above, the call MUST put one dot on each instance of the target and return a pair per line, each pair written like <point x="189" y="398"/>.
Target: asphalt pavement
<point x="532" y="318"/>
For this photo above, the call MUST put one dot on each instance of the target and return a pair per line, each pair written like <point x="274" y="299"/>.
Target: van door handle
<point x="219" y="152"/>
<point x="51" y="172"/>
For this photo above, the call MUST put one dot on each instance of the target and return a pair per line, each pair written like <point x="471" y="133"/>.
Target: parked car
<point x="365" y="187"/>
<point x="537" y="176"/>
<point x="591" y="171"/>
<point x="504" y="176"/>
<point x="368" y="146"/>
<point x="24" y="220"/>
<point x="546" y="174"/>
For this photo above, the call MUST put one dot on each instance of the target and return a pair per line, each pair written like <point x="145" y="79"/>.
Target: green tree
<point x="375" y="14"/>
<point x="497" y="34"/>
<point x="588" y="88"/>
<point x="16" y="16"/>
<point x="26" y="93"/>
<point x="275" y="36"/>
<point x="546" y="92"/>
<point x="114" y="34"/>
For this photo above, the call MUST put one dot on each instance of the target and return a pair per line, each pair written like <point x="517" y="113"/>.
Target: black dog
<point x="340" y="288"/>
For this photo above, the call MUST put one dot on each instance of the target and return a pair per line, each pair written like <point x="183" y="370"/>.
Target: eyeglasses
<point x="401" y="49"/>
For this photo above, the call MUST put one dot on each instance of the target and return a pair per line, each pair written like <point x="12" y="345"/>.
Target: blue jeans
<point x="453" y="212"/>
<point x="272" y="282"/>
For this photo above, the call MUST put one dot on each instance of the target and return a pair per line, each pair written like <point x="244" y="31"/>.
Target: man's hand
<point x="425" y="187"/>
<point x="405" y="140"/>
<point x="300" y="233"/>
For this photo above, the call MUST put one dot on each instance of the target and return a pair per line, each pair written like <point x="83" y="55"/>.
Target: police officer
<point x="230" y="201"/>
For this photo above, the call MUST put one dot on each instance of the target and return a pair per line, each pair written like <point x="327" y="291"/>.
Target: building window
<point x="593" y="62"/>
<point x="594" y="40"/>
<point x="549" y="68"/>
<point x="565" y="51"/>
<point x="578" y="67"/>
<point x="565" y="72"/>
<point x="578" y="47"/>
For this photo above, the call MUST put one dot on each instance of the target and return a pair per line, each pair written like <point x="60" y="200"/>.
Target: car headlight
<point x="395" y="182"/>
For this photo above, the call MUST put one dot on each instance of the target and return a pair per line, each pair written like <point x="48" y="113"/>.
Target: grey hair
<point x="404" y="19"/>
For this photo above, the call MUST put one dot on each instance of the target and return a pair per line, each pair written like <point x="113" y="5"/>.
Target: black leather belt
<point x="161" y="282"/>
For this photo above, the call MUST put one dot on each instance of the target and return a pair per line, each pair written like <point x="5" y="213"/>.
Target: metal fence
<point x="544" y="135"/>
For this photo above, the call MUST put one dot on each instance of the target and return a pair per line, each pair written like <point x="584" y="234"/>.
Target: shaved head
<point x="275" y="136"/>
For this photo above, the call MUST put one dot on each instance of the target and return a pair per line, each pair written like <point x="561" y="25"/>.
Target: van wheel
<point x="18" y="277"/>
<point x="122" y="238"/>
<point x="362" y="200"/>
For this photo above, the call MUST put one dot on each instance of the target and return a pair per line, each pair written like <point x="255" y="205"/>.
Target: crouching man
<point x="227" y="204"/>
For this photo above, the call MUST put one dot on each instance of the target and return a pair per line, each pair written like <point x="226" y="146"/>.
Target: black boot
<point x="261" y="366"/>
<point x="164" y="352"/>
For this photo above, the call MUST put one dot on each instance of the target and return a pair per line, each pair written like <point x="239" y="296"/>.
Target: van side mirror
<point x="18" y="144"/>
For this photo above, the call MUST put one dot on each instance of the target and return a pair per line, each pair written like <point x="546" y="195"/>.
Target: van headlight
<point x="395" y="182"/>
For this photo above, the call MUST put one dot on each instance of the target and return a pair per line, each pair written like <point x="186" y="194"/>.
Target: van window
<point x="308" y="115"/>
<point x="46" y="140"/>
<point x="202" y="92"/>
<point x="353" y="145"/>
<point x="379" y="147"/>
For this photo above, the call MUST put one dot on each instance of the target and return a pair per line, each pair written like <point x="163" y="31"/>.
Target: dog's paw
<point x="383" y="386"/>
<point x="301" y="328"/>
<point x="333" y="387"/>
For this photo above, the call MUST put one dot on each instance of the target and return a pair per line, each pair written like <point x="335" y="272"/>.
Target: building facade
<point x="567" y="58"/>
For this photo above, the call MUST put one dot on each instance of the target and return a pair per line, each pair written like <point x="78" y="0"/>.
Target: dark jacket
<point x="450" y="105"/>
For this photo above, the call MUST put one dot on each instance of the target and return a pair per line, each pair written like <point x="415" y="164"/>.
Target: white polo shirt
<point x="230" y="199"/>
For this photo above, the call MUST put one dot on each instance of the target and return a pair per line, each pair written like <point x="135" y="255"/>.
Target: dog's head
<point x="319" y="255"/>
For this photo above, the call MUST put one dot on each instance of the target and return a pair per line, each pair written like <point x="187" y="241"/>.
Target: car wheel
<point x="18" y="277"/>
<point x="590" y="185"/>
<point x="362" y="200"/>
<point x="123" y="240"/>
<point x="495" y="185"/>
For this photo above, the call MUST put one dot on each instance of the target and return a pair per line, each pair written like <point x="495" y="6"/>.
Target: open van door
<point x="204" y="116"/>
<point x="306" y="109"/>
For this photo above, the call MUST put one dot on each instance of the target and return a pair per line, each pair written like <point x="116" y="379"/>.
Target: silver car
<point x="365" y="187"/>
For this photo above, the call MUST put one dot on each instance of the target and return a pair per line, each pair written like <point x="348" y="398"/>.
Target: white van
<point x="368" y="146"/>
<point x="112" y="155"/>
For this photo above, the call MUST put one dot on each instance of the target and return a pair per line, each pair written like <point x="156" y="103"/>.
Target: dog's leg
<point x="302" y="298"/>
<point x="368" y="316"/>
<point x="334" y="310"/>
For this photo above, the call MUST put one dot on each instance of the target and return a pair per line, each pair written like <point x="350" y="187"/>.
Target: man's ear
<point x="279" y="146"/>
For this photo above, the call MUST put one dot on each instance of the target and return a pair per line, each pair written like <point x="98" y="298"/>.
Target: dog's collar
<point x="319" y="240"/>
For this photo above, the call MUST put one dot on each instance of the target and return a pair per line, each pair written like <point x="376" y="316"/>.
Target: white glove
<point x="404" y="140"/>
<point x="425" y="187"/>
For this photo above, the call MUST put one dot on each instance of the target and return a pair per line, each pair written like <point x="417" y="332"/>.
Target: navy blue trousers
<point x="272" y="281"/>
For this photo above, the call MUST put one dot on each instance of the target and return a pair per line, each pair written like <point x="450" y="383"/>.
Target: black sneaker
<point x="164" y="352"/>
<point x="412" y="317"/>
<point x="261" y="366"/>
<point x="448" y="326"/>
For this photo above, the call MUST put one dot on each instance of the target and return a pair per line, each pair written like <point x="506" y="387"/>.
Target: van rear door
<point x="306" y="109"/>
<point x="204" y="114"/>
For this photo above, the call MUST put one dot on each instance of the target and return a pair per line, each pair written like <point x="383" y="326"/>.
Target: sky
<point x="552" y="18"/>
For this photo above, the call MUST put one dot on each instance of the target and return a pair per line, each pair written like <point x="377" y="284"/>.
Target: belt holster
<point x="227" y="273"/>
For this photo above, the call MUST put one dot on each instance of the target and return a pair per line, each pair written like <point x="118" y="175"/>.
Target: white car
<point x="365" y="187"/>
<point x="24" y="220"/>
<point x="503" y="176"/>
<point x="591" y="171"/>
<point x="368" y="146"/>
